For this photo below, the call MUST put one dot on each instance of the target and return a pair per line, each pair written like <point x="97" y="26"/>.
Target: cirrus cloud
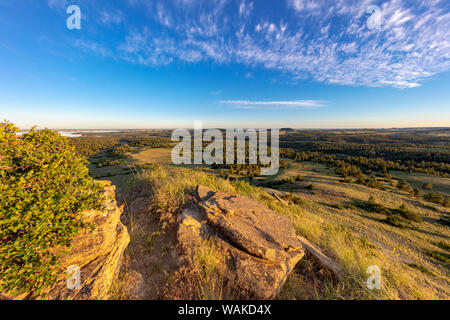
<point x="324" y="41"/>
<point x="274" y="105"/>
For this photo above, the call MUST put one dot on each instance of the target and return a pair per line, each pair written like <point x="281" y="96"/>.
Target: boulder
<point x="259" y="247"/>
<point x="98" y="253"/>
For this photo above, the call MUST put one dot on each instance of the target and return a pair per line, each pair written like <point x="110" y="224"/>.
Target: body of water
<point x="74" y="134"/>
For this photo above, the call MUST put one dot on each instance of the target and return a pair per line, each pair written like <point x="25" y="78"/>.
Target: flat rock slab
<point x="258" y="246"/>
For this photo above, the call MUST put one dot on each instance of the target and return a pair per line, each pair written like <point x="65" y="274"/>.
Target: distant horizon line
<point x="224" y="128"/>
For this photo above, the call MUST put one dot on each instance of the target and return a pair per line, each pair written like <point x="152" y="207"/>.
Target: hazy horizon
<point x="187" y="127"/>
<point x="229" y="63"/>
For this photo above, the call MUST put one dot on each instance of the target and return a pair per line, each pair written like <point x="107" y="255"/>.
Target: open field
<point x="440" y="184"/>
<point x="156" y="155"/>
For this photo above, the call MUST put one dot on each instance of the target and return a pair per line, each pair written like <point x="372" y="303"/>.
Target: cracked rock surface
<point x="259" y="247"/>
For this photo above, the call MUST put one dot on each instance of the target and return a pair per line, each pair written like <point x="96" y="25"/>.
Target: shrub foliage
<point x="44" y="187"/>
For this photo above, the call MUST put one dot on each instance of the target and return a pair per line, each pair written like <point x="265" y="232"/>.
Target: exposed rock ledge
<point x="259" y="247"/>
<point x="97" y="253"/>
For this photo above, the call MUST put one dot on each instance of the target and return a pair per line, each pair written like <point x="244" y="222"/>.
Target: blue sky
<point x="285" y="63"/>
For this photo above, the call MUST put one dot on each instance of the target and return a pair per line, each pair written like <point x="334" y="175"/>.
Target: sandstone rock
<point x="97" y="253"/>
<point x="259" y="247"/>
<point x="203" y="193"/>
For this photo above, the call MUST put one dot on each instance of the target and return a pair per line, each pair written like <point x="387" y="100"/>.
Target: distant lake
<point x="69" y="134"/>
<point x="74" y="134"/>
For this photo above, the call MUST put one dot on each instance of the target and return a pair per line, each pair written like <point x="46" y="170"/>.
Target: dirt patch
<point x="151" y="256"/>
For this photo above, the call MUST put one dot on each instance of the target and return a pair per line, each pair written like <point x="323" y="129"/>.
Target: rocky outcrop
<point x="259" y="247"/>
<point x="97" y="253"/>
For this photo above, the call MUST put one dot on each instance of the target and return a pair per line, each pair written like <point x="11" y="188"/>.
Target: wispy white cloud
<point x="245" y="8"/>
<point x="163" y="17"/>
<point x="58" y="4"/>
<point x="301" y="5"/>
<point x="324" y="41"/>
<point x="274" y="105"/>
<point x="111" y="17"/>
<point x="93" y="47"/>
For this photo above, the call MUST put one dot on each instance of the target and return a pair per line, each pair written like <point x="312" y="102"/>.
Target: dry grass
<point x="357" y="238"/>
<point x="209" y="280"/>
<point x="153" y="155"/>
<point x="354" y="238"/>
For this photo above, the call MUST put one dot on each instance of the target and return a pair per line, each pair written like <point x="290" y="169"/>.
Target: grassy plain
<point x="414" y="258"/>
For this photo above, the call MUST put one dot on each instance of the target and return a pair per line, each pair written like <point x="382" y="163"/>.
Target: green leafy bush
<point x="421" y="268"/>
<point x="395" y="221"/>
<point x="403" y="185"/>
<point x="439" y="256"/>
<point x="108" y="163"/>
<point x="434" y="197"/>
<point x="427" y="186"/>
<point x="373" y="183"/>
<point x="88" y="146"/>
<point x="311" y="187"/>
<point x="288" y="180"/>
<point x="292" y="197"/>
<point x="408" y="214"/>
<point x="446" y="202"/>
<point x="445" y="221"/>
<point x="443" y="245"/>
<point x="44" y="187"/>
<point x="417" y="193"/>
<point x="122" y="150"/>
<point x="373" y="206"/>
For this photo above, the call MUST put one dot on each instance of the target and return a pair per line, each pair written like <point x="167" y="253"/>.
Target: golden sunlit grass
<point x="153" y="155"/>
<point x="209" y="280"/>
<point x="355" y="240"/>
<point x="367" y="239"/>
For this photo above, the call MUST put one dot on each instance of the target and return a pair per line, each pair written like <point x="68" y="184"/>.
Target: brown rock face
<point x="260" y="247"/>
<point x="97" y="253"/>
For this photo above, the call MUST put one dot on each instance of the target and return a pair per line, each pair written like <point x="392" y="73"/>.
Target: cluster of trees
<point x="247" y="170"/>
<point x="388" y="152"/>
<point x="407" y="150"/>
<point x="88" y="146"/>
<point x="431" y="197"/>
<point x="435" y="138"/>
<point x="364" y="171"/>
<point x="396" y="217"/>
<point x="113" y="156"/>
<point x="372" y="164"/>
<point x="121" y="151"/>
<point x="150" y="141"/>
<point x="91" y="145"/>
<point x="437" y="198"/>
<point x="345" y="169"/>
